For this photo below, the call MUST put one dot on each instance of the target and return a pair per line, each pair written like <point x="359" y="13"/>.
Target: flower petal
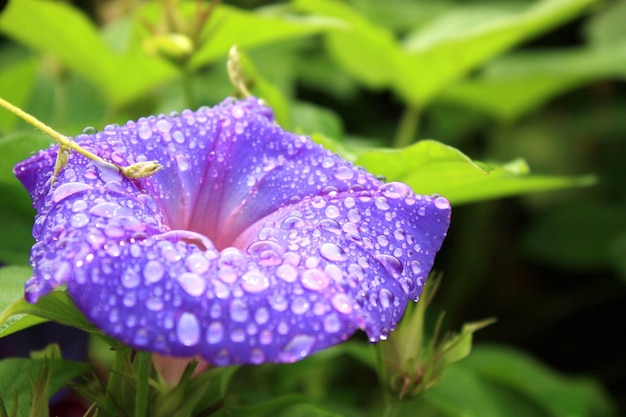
<point x="252" y="245"/>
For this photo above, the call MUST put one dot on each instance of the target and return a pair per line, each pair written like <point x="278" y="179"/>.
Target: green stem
<point x="144" y="364"/>
<point x="408" y="127"/>
<point x="138" y="170"/>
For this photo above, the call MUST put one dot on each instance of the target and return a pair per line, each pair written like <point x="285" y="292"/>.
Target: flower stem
<point x="138" y="170"/>
<point x="409" y="124"/>
<point x="144" y="363"/>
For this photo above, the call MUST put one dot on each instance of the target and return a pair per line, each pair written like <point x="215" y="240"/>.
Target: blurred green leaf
<point x="231" y="26"/>
<point x="516" y="84"/>
<point x="56" y="306"/>
<point x="291" y="405"/>
<point x="440" y="53"/>
<point x="309" y="118"/>
<point x="12" y="279"/>
<point x="61" y="30"/>
<point x="617" y="254"/>
<point x="431" y="167"/>
<point x="17" y="80"/>
<point x="19" y="374"/>
<point x="556" y="394"/>
<point x="576" y="236"/>
<point x="606" y="27"/>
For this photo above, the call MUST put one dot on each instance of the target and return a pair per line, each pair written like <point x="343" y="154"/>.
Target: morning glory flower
<point x="251" y="245"/>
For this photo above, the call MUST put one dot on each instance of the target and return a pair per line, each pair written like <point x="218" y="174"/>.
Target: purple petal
<point x="252" y="245"/>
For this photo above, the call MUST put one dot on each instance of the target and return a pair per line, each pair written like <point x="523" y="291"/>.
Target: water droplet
<point x="145" y="132"/>
<point x="416" y="266"/>
<point x="292" y="222"/>
<point x="255" y="281"/>
<point x="344" y="173"/>
<point x="90" y="130"/>
<point x="354" y="216"/>
<point x="315" y="279"/>
<point x="154" y="304"/>
<point x="332" y="324"/>
<point x="287" y="273"/>
<point x="238" y="335"/>
<point x="442" y="203"/>
<point x="391" y="264"/>
<point x="395" y="190"/>
<point x="193" y="284"/>
<point x="300" y="305"/>
<point x="266" y="252"/>
<point x="342" y="303"/>
<point x="382" y="203"/>
<point x="163" y="125"/>
<point x="382" y="240"/>
<point x="79" y="220"/>
<point x="297" y="348"/>
<point x="130" y="278"/>
<point x="332" y="212"/>
<point x="182" y="163"/>
<point x="65" y="190"/>
<point x="188" y="329"/>
<point x="318" y="202"/>
<point x="386" y="298"/>
<point x="238" y="310"/>
<point x="215" y="332"/>
<point x="153" y="271"/>
<point x="265" y="338"/>
<point x="141" y="337"/>
<point x="237" y="112"/>
<point x="262" y="315"/>
<point x="106" y="210"/>
<point x="178" y="137"/>
<point x="278" y="302"/>
<point x="79" y="205"/>
<point x="333" y="252"/>
<point x="257" y="356"/>
<point x="330" y="226"/>
<point x="197" y="263"/>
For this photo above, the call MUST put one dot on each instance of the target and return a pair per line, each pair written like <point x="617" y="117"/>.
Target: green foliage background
<point x="513" y="110"/>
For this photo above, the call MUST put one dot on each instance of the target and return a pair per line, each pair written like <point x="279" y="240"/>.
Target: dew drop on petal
<point x="297" y="348"/>
<point x="154" y="304"/>
<point x="382" y="203"/>
<point x="106" y="210"/>
<point x="130" y="278"/>
<point x="416" y="266"/>
<point x="315" y="279"/>
<point x="255" y="281"/>
<point x="332" y="324"/>
<point x="386" y="298"/>
<point x="193" y="284"/>
<point x="442" y="203"/>
<point x="182" y="163"/>
<point x="266" y="252"/>
<point x="332" y="212"/>
<point x="344" y="173"/>
<point x="395" y="190"/>
<point x="332" y="252"/>
<point x="153" y="271"/>
<point x="188" y="329"/>
<point x="342" y="303"/>
<point x="300" y="305"/>
<point x="257" y="356"/>
<point x="287" y="272"/>
<point x="215" y="332"/>
<point x="391" y="264"/>
<point x="238" y="310"/>
<point x="292" y="222"/>
<point x="197" y="263"/>
<point x="163" y="125"/>
<point x="65" y="190"/>
<point x="262" y="315"/>
<point x="79" y="220"/>
<point x="145" y="132"/>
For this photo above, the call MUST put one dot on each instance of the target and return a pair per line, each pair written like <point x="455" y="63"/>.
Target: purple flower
<point x="252" y="245"/>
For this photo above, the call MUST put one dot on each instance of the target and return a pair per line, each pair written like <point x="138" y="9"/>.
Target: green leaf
<point x="291" y="405"/>
<point x="18" y="374"/>
<point x="556" y="394"/>
<point x="606" y="28"/>
<point x="63" y="31"/>
<point x="577" y="237"/>
<point x="459" y="346"/>
<point x="440" y="53"/>
<point x="514" y="85"/>
<point x="17" y="80"/>
<point x="431" y="167"/>
<point x="56" y="306"/>
<point x="12" y="279"/>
